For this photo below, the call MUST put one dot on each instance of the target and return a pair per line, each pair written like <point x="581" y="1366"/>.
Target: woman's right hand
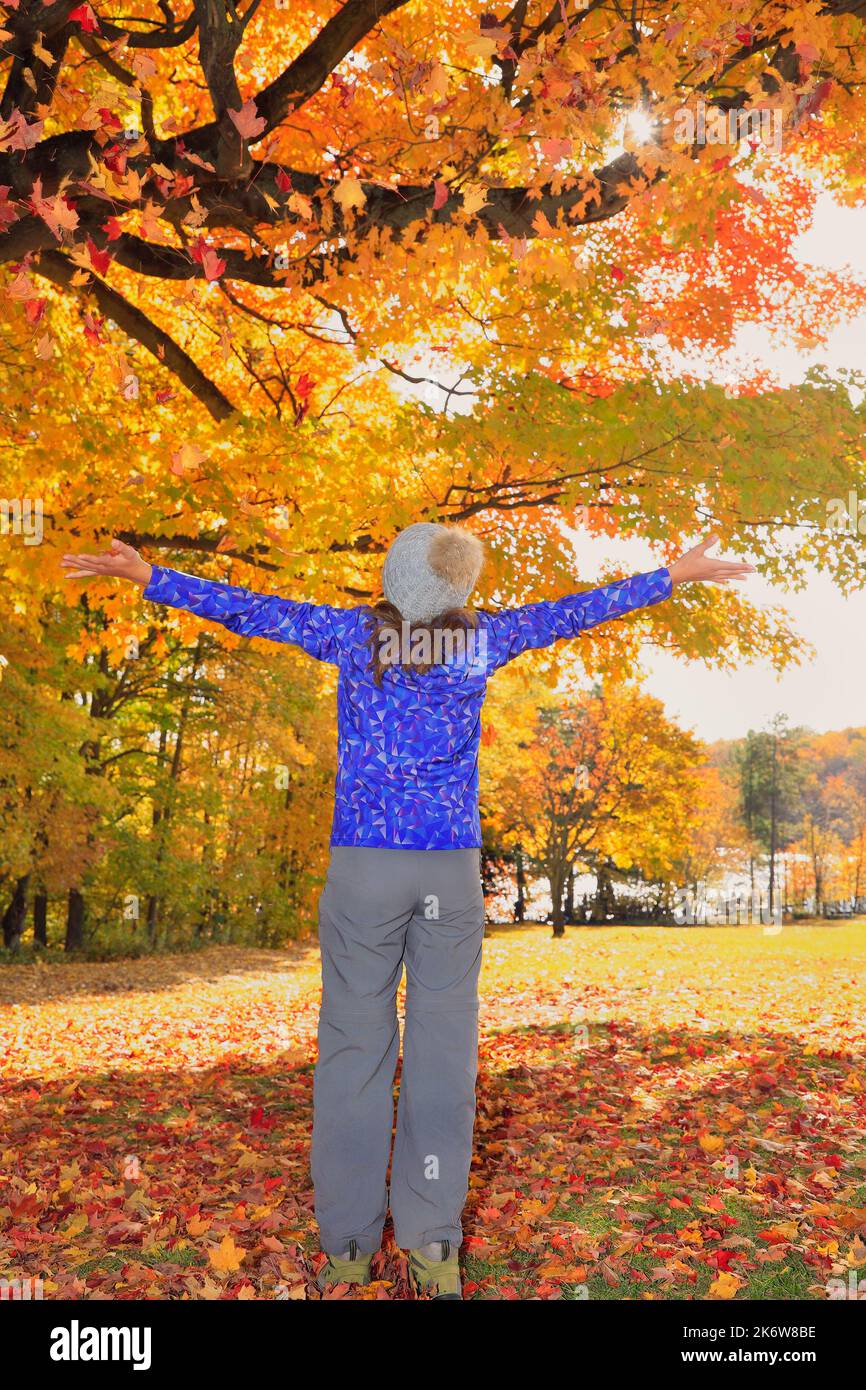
<point x="119" y="560"/>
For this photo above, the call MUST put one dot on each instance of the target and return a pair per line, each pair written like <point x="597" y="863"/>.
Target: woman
<point x="403" y="885"/>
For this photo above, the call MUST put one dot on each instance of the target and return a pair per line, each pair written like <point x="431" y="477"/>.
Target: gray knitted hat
<point x="431" y="568"/>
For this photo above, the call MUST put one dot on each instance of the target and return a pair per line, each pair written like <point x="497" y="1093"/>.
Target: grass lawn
<point x="663" y="1114"/>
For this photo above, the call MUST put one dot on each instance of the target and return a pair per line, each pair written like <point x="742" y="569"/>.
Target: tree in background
<point x="770" y="777"/>
<point x="603" y="774"/>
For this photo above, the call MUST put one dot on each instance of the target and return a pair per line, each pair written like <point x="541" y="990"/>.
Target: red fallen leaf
<point x="833" y="1161"/>
<point x="259" y="1120"/>
<point x="100" y="260"/>
<point x="764" y="1081"/>
<point x="83" y="15"/>
<point x="34" y="309"/>
<point x="93" y="327"/>
<point x="774" y="1237"/>
<point x="163" y="396"/>
<point x="440" y="194"/>
<point x="722" y="162"/>
<point x="722" y="1258"/>
<point x="27" y="1206"/>
<point x="283" y="181"/>
<point x="744" y="35"/>
<point x="617" y="273"/>
<point x="112" y="229"/>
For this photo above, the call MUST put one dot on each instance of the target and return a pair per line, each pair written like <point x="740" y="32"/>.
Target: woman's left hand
<point x="695" y="564"/>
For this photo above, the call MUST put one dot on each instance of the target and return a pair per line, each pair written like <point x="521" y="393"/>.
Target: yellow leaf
<point x="349" y="193"/>
<point x="227" y="1257"/>
<point x="725" y="1286"/>
<point x="474" y="197"/>
<point x="77" y="1224"/>
<point x="302" y="206"/>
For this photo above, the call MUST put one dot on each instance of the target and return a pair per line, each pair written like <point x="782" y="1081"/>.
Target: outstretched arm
<point x="516" y="630"/>
<point x="317" y="628"/>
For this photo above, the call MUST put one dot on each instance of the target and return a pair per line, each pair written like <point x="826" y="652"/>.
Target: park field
<point x="663" y="1114"/>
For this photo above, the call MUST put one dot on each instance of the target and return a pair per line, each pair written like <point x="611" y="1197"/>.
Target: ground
<point x="663" y="1114"/>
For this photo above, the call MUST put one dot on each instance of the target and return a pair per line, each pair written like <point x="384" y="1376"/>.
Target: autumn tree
<point x="605" y="771"/>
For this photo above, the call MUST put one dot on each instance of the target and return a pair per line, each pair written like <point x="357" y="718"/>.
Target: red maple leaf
<point x="100" y="260"/>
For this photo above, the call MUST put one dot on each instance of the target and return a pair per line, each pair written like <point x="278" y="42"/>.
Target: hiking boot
<point x="350" y="1268"/>
<point x="440" y="1278"/>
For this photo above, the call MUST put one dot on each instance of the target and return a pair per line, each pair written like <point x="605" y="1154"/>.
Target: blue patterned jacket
<point x="407" y="749"/>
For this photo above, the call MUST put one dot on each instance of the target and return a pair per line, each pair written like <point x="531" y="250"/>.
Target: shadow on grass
<point x="620" y="1163"/>
<point x="35" y="982"/>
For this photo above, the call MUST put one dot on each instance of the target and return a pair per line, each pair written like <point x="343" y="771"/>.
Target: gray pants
<point x="382" y="908"/>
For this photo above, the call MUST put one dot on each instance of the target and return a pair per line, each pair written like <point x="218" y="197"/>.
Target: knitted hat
<point x="431" y="568"/>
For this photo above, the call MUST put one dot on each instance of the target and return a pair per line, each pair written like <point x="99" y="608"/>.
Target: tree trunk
<point x="570" y="912"/>
<point x="557" y="889"/>
<point x="74" y="921"/>
<point x="604" y="898"/>
<point x="15" y="915"/>
<point x="162" y="816"/>
<point x="40" y="919"/>
<point x="520" y="901"/>
<point x="774" y="822"/>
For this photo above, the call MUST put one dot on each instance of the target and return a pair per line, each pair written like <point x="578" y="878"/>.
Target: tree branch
<point x="54" y="266"/>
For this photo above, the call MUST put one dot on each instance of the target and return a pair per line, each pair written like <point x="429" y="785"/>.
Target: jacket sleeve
<point x="516" y="630"/>
<point x="317" y="628"/>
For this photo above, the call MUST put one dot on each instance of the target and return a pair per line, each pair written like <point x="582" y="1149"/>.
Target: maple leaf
<point x="100" y="260"/>
<point x="57" y="212"/>
<point x="247" y="120"/>
<point x="84" y="16"/>
<point x="212" y="264"/>
<point x="8" y="214"/>
<point x="19" y="134"/>
<point x="227" y="1257"/>
<point x="349" y="193"/>
<point x="725" y="1287"/>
